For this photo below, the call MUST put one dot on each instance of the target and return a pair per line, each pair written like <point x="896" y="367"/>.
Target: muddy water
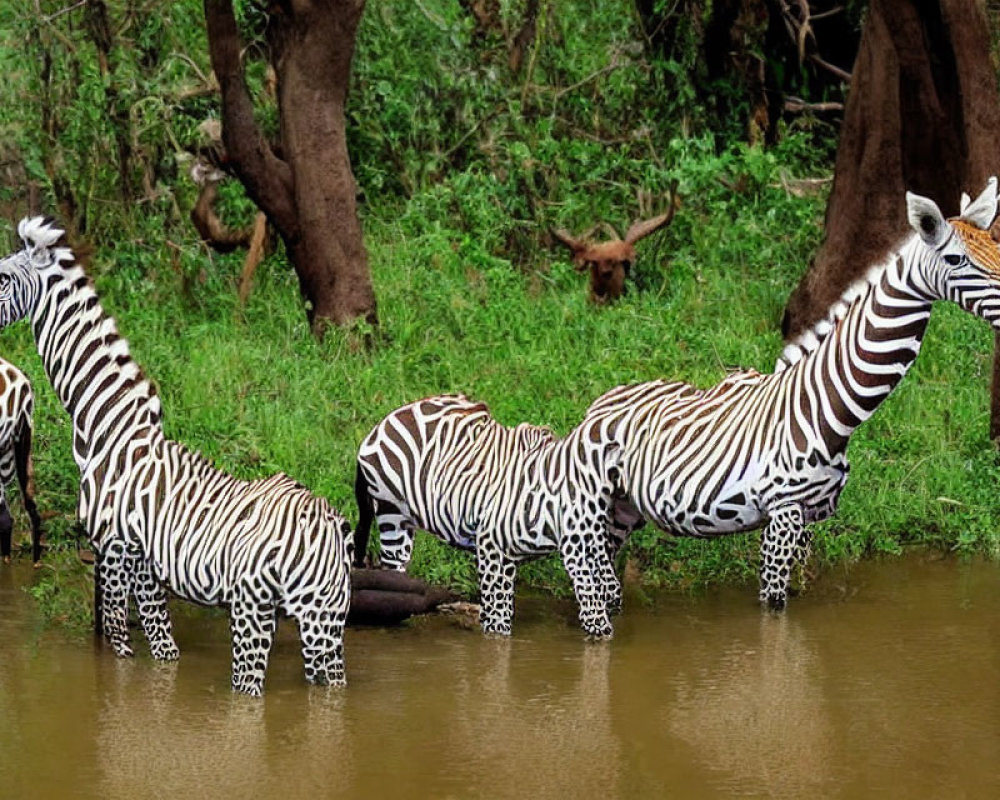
<point x="883" y="682"/>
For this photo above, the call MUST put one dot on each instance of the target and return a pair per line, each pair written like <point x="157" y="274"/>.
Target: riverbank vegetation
<point x="462" y="168"/>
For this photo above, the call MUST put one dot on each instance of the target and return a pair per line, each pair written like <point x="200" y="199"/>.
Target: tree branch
<point x="844" y="75"/>
<point x="268" y="180"/>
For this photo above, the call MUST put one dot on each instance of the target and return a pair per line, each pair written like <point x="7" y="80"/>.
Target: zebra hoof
<point x="168" y="652"/>
<point x="122" y="650"/>
<point x="496" y="631"/>
<point x="773" y="603"/>
<point x="597" y="632"/>
<point x="333" y="676"/>
<point x="251" y="688"/>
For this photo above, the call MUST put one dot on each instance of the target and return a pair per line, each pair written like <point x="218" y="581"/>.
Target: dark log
<point x="386" y="597"/>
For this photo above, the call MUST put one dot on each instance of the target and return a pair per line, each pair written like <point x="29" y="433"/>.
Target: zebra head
<point x="960" y="259"/>
<point x="20" y="279"/>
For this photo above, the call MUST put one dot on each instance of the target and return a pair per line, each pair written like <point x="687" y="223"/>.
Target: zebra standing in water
<point x="17" y="402"/>
<point x="769" y="450"/>
<point x="445" y="465"/>
<point x="158" y="514"/>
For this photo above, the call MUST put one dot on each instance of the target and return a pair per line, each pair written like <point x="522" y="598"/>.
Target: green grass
<point x="250" y="388"/>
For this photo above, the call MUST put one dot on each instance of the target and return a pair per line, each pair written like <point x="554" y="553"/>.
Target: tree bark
<point x="308" y="191"/>
<point x="923" y="115"/>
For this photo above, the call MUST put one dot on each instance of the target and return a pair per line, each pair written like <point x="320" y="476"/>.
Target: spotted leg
<point x="778" y="545"/>
<point x="114" y="592"/>
<point x="611" y="587"/>
<point x="585" y="557"/>
<point x="613" y="537"/>
<point x="497" y="573"/>
<point x="252" y="624"/>
<point x="322" y="635"/>
<point x="803" y="552"/>
<point x="151" y="604"/>
<point x="395" y="530"/>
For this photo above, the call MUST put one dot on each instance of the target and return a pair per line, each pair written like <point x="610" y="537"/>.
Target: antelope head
<point x="610" y="262"/>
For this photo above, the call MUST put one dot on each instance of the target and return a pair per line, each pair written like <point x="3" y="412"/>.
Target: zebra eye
<point x="952" y="259"/>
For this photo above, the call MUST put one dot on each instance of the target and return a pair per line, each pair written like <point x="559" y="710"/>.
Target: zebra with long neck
<point x="445" y="465"/>
<point x="17" y="401"/>
<point x="160" y="515"/>
<point x="769" y="451"/>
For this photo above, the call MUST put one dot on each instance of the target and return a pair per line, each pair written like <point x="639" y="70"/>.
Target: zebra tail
<point x="26" y="481"/>
<point x="366" y="513"/>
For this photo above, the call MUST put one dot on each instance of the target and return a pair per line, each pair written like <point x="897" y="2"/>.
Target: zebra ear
<point x="981" y="211"/>
<point x="927" y="220"/>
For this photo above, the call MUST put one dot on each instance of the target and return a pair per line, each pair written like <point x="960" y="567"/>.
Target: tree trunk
<point x="308" y="192"/>
<point x="923" y="115"/>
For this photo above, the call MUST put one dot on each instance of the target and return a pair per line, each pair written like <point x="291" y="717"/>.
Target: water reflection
<point x="153" y="743"/>
<point x="758" y="714"/>
<point x="537" y="729"/>
<point x="886" y="689"/>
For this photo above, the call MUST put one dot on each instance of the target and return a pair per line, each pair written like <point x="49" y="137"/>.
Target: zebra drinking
<point x="160" y="515"/>
<point x="770" y="450"/>
<point x="16" y="404"/>
<point x="445" y="465"/>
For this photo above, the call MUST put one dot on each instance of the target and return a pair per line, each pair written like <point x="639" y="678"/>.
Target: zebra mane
<point x="40" y="235"/>
<point x="811" y="338"/>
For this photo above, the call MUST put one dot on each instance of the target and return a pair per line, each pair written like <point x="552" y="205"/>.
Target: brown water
<point x="882" y="682"/>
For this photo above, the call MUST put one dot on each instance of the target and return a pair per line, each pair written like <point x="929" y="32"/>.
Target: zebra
<point x="445" y="465"/>
<point x="17" y="402"/>
<point x="161" y="516"/>
<point x="769" y="451"/>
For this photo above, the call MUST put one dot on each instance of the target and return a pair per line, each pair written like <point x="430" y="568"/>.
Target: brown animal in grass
<point x="610" y="262"/>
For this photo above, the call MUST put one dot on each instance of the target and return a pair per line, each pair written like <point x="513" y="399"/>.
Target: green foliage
<point x="101" y="110"/>
<point x="64" y="590"/>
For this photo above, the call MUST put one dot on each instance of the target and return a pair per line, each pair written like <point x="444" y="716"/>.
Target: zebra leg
<point x="585" y="557"/>
<point x="778" y="546"/>
<point x="24" y="469"/>
<point x="151" y="605"/>
<point x="611" y="587"/>
<point x="114" y="592"/>
<point x="496" y="586"/>
<point x="6" y="528"/>
<point x="322" y="635"/>
<point x="803" y="552"/>
<point x="252" y="624"/>
<point x="395" y="532"/>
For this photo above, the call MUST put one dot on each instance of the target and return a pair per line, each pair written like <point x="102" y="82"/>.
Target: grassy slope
<point x="256" y="394"/>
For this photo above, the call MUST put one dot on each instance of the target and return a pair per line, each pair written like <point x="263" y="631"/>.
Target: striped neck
<point x="867" y="352"/>
<point x="88" y="363"/>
